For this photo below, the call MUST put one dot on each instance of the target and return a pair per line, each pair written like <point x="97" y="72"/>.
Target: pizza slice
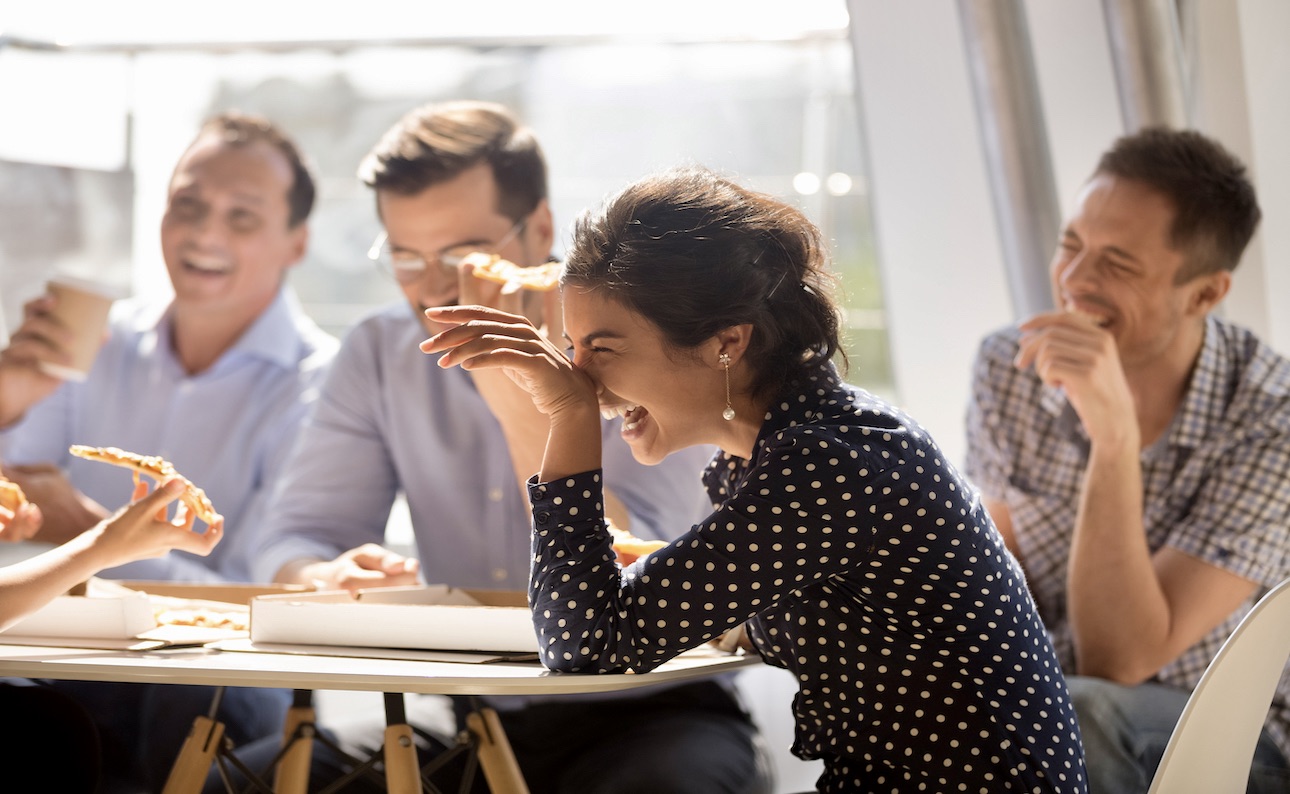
<point x="158" y="469"/>
<point x="542" y="278"/>
<point x="628" y="547"/>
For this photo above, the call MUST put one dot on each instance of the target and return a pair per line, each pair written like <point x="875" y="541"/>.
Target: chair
<point x="1213" y="743"/>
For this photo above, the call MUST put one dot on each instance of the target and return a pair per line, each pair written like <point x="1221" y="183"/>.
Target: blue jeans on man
<point x="1126" y="729"/>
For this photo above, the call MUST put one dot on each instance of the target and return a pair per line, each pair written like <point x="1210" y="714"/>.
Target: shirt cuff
<point x="568" y="501"/>
<point x="568" y="512"/>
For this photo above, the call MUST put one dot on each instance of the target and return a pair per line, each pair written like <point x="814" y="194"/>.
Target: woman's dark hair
<point x="695" y="253"/>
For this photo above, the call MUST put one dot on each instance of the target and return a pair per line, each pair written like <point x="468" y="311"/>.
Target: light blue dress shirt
<point x="228" y="429"/>
<point x="389" y="420"/>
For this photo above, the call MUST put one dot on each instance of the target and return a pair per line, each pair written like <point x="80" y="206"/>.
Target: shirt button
<point x="499" y="574"/>
<point x="542" y="516"/>
<point x="494" y="494"/>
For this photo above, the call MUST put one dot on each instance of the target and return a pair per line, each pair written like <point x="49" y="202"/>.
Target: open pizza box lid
<point x="428" y="617"/>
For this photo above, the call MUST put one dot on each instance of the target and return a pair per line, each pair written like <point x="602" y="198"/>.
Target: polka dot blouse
<point x="864" y="565"/>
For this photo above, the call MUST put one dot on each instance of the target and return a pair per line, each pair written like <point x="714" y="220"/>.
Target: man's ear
<point x="299" y="243"/>
<point x="1208" y="291"/>
<point x="541" y="231"/>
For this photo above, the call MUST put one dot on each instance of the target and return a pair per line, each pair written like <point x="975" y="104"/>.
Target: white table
<point x="211" y="667"/>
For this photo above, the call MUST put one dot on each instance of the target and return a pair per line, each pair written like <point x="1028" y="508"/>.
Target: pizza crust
<point x="158" y="469"/>
<point x="627" y="544"/>
<point x="542" y="278"/>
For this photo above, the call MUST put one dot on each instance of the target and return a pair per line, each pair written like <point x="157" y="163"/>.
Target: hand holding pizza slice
<point x="159" y="469"/>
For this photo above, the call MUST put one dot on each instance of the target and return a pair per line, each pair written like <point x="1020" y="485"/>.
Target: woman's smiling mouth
<point x="632" y="414"/>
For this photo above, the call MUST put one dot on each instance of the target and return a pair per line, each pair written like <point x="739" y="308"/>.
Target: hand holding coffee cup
<point x="81" y="306"/>
<point x="57" y="340"/>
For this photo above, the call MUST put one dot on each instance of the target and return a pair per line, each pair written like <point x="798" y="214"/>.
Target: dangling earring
<point x="729" y="413"/>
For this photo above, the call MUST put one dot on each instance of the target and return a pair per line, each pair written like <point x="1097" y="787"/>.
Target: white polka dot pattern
<point x="864" y="565"/>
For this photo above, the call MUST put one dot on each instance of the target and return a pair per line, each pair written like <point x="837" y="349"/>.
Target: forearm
<point x="1120" y="618"/>
<point x="27" y="585"/>
<point x="573" y="445"/>
<point x="527" y="445"/>
<point x="523" y="426"/>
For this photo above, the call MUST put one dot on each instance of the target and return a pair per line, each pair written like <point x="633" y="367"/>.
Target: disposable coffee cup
<point x="82" y="305"/>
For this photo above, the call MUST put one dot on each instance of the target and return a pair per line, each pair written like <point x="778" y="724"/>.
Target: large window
<point x="778" y="115"/>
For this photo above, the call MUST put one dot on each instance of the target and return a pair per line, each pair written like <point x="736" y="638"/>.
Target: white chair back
<point x="1213" y="743"/>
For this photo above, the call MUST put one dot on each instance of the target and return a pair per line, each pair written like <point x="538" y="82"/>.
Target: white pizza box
<point x="104" y="609"/>
<point x="113" y="616"/>
<point x="427" y="617"/>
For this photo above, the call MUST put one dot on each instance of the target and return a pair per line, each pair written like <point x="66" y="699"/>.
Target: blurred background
<point x="936" y="143"/>
<point x="95" y="128"/>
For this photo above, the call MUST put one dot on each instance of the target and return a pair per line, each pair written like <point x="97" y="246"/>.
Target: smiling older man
<point x="217" y="380"/>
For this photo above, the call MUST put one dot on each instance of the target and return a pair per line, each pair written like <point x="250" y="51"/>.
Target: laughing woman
<point x="857" y="557"/>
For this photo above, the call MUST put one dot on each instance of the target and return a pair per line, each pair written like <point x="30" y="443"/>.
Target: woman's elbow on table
<point x="561" y="653"/>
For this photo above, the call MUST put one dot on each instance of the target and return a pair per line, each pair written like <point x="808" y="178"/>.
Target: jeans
<point x="142" y="727"/>
<point x="1126" y="729"/>
<point x="691" y="739"/>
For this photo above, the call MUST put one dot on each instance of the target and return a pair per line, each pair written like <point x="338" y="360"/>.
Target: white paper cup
<point x="82" y="305"/>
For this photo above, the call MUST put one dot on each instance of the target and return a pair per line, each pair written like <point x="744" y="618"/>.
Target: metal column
<point x="1147" y="53"/>
<point x="1011" y="120"/>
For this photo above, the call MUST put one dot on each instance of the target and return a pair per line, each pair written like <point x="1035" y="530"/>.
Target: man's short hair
<point x="435" y="143"/>
<point x="1215" y="207"/>
<point x="236" y="128"/>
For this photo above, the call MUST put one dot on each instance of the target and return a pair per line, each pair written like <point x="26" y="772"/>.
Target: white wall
<point x="1262" y="50"/>
<point x="937" y="241"/>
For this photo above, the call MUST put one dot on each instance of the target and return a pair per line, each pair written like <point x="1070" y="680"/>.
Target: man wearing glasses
<point x="450" y="180"/>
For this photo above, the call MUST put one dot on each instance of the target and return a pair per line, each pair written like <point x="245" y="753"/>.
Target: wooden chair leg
<point x="292" y="774"/>
<point x="495" y="755"/>
<point x="402" y="772"/>
<point x="188" y="775"/>
<point x="402" y="769"/>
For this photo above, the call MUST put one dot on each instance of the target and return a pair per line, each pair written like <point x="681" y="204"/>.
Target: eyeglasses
<point x="409" y="267"/>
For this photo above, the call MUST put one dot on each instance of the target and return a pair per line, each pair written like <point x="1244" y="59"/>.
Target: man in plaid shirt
<point x="1134" y="450"/>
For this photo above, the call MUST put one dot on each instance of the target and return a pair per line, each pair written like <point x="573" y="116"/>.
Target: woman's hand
<point x="19" y="524"/>
<point x="481" y="337"/>
<point x="142" y="530"/>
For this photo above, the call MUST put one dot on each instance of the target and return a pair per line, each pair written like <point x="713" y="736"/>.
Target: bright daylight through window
<point x="777" y="113"/>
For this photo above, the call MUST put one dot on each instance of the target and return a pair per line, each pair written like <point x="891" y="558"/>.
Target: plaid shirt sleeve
<point x="1240" y="518"/>
<point x="988" y="464"/>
